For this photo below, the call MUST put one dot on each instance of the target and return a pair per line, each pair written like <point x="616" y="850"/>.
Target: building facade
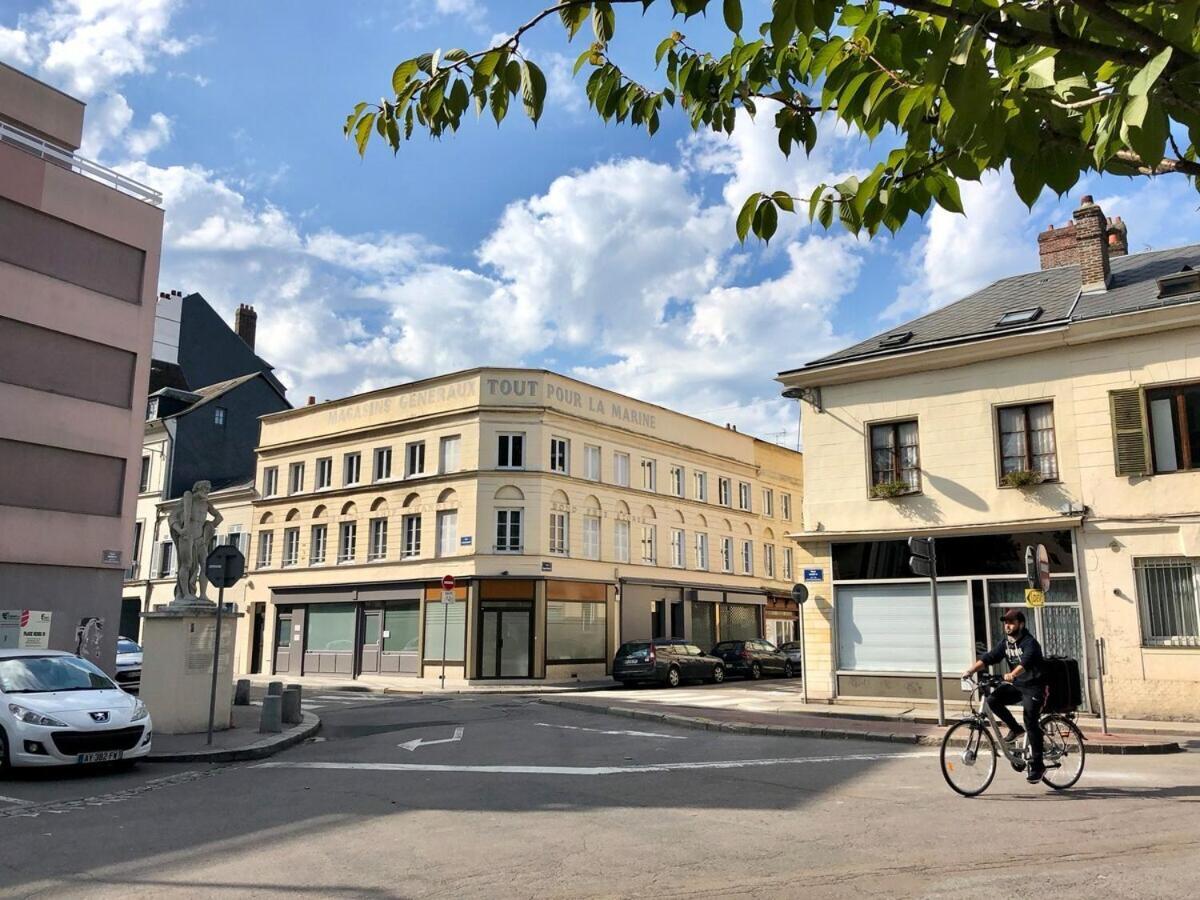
<point x="79" y="257"/>
<point x="571" y="517"/>
<point x="1059" y="408"/>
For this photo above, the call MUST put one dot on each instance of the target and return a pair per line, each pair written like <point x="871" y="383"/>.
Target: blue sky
<point x="590" y="249"/>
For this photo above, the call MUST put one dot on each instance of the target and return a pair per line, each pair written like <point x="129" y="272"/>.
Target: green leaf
<point x="1144" y="80"/>
<point x="499" y="102"/>
<point x="733" y="15"/>
<point x="583" y="58"/>
<point x="362" y="134"/>
<point x="660" y="51"/>
<point x="1149" y="140"/>
<point x="604" y="22"/>
<point x="745" y="215"/>
<point x="768" y="221"/>
<point x="784" y="201"/>
<point x="533" y="91"/>
<point x="573" y="18"/>
<point x="403" y="73"/>
<point x="783" y="22"/>
<point x="1040" y="74"/>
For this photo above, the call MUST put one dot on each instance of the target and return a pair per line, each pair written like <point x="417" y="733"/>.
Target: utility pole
<point x="923" y="561"/>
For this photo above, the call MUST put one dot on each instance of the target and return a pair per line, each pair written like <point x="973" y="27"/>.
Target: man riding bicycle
<point x="1023" y="685"/>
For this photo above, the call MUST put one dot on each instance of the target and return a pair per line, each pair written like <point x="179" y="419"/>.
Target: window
<point x="747" y="558"/>
<point x="1175" y="427"/>
<point x="743" y="496"/>
<point x="591" y="537"/>
<point x="510" y="451"/>
<point x="894" y="459"/>
<point x="291" y="546"/>
<point x="621" y="469"/>
<point x="702" y="486"/>
<point x="678" y="553"/>
<point x="726" y="554"/>
<point x="621" y="540"/>
<point x="785" y="506"/>
<point x="447" y="527"/>
<point x="331" y="627"/>
<point x="1027" y="440"/>
<point x="1019" y="317"/>
<point x="649" y="544"/>
<point x="508" y="531"/>
<point x="446" y="628"/>
<point x="575" y="632"/>
<point x="449" y="452"/>
<point x="265" y="541"/>
<point x="787" y="563"/>
<point x="768" y="502"/>
<point x="649" y="475"/>
<point x="560" y="455"/>
<point x="702" y="552"/>
<point x="558" y="532"/>
<point x="591" y="462"/>
<point x="347" y="536"/>
<point x="270" y="481"/>
<point x="1169" y="601"/>
<point x="382" y="468"/>
<point x="219" y="416"/>
<point x="377" y="549"/>
<point x="412" y="536"/>
<point x="296" y="478"/>
<point x="725" y="492"/>
<point x="769" y="560"/>
<point x="316" y="550"/>
<point x="137" y="551"/>
<point x="166" y="557"/>
<point x="414" y="459"/>
<point x="144" y="481"/>
<point x="351" y="468"/>
<point x="324" y="472"/>
<point x="677" y="480"/>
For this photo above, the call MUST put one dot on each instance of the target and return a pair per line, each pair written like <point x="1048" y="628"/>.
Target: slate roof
<point x="1133" y="287"/>
<point x="166" y="375"/>
<point x="215" y="391"/>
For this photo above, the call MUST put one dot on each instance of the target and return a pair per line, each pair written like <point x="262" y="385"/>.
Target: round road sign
<point x="799" y="592"/>
<point x="1043" y="567"/>
<point x="447" y="582"/>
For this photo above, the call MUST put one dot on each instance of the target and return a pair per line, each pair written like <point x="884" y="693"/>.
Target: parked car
<point x="793" y="651"/>
<point x="753" y="659"/>
<point x="666" y="661"/>
<point x="129" y="664"/>
<point x="57" y="710"/>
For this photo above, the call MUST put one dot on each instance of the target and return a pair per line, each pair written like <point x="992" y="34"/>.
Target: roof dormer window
<point x="895" y="340"/>
<point x="1185" y="281"/>
<point x="1019" y="317"/>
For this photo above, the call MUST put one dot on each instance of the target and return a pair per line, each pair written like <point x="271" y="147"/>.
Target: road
<point x="537" y="801"/>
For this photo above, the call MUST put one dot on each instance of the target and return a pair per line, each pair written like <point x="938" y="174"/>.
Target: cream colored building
<point x="1053" y="408"/>
<point x="571" y="517"/>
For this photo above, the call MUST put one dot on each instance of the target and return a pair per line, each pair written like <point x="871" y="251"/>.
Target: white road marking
<point x="591" y="770"/>
<point x="654" y="734"/>
<point x="15" y="801"/>
<point x="411" y="746"/>
<point x="353" y="698"/>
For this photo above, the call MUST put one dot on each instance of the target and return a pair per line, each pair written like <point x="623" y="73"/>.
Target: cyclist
<point x="1023" y="685"/>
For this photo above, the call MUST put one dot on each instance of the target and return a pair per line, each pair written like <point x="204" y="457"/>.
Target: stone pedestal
<point x="177" y="645"/>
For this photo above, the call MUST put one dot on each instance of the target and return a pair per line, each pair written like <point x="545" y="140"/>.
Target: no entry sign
<point x="447" y="582"/>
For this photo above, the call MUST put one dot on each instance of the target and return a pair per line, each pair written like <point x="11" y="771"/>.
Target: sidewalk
<point x="391" y="684"/>
<point x="240" y="742"/>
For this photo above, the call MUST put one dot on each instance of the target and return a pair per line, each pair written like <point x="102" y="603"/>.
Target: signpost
<point x="447" y="599"/>
<point x="923" y="561"/>
<point x="1037" y="571"/>
<point x="800" y="595"/>
<point x="224" y="567"/>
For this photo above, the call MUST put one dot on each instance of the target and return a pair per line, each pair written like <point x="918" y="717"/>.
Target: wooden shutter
<point x="1131" y="435"/>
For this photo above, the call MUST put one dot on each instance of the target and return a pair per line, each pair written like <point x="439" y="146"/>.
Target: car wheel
<point x="787" y="669"/>
<point x="5" y="766"/>
<point x="673" y="677"/>
<point x="756" y="671"/>
<point x="718" y="674"/>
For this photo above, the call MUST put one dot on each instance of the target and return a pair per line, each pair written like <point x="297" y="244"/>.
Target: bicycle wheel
<point x="968" y="758"/>
<point x="1063" y="752"/>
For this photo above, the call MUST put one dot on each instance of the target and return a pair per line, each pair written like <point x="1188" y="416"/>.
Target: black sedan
<point x="665" y="661"/>
<point x="754" y="659"/>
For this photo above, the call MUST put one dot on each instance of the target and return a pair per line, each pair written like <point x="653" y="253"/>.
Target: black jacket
<point x="1025" y="651"/>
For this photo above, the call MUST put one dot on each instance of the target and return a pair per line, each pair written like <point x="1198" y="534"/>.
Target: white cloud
<point x="145" y="141"/>
<point x="14" y="47"/>
<point x="562" y="90"/>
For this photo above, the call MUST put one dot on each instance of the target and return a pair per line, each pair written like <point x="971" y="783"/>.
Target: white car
<point x="129" y="664"/>
<point x="57" y="709"/>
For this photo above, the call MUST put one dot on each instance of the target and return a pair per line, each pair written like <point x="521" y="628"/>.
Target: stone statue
<point x="192" y="532"/>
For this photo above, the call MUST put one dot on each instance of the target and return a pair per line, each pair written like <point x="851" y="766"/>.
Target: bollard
<point x="241" y="692"/>
<point x="275" y="689"/>
<point x="272" y="709"/>
<point x="299" y="690"/>
<point x="291" y="712"/>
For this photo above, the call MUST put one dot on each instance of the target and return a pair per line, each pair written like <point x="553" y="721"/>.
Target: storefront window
<point x="575" y="632"/>
<point x="1057" y="625"/>
<point x="704" y="625"/>
<point x="983" y="554"/>
<point x="889" y="627"/>
<point x="331" y="628"/>
<point x="449" y="619"/>
<point x="401" y="625"/>
<point x="739" y="622"/>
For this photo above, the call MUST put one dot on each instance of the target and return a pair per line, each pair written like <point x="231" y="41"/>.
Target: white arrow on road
<point x="413" y="745"/>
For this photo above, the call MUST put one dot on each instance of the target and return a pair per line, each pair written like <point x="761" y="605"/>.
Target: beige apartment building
<point x="572" y="518"/>
<point x="1060" y="407"/>
<point x="79" y="256"/>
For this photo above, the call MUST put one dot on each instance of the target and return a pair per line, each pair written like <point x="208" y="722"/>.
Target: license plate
<point x="100" y="756"/>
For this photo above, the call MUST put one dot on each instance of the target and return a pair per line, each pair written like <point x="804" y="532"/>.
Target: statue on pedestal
<point x="192" y="533"/>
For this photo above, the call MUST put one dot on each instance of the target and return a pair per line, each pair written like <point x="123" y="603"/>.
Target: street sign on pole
<point x="447" y="582"/>
<point x="923" y="561"/>
<point x="224" y="567"/>
<point x="800" y="595"/>
<point x="447" y="599"/>
<point x="1042" y="559"/>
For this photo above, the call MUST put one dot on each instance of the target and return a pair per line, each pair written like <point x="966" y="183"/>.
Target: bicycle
<point x="968" y="754"/>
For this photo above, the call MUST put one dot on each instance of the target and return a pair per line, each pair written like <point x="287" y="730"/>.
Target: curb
<point x="922" y="740"/>
<point x="258" y="750"/>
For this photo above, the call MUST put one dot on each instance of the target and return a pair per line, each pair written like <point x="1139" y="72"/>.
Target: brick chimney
<point x="1088" y="242"/>
<point x="1118" y="238"/>
<point x="245" y="321"/>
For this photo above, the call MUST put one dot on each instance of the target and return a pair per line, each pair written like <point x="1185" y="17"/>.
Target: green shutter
<point x="1131" y="435"/>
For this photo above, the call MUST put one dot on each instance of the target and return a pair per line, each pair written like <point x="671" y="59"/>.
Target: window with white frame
<point x="166" y="558"/>
<point x="769" y="560"/>
<point x="144" y="481"/>
<point x="725" y="492"/>
<point x="787" y="564"/>
<point x="412" y="536"/>
<point x="650" y="544"/>
<point x="744" y="495"/>
<point x="558" y="533"/>
<point x="324" y="472"/>
<point x="270" y="481"/>
<point x="378" y="539"/>
<point x="591" y="462"/>
<point x="296" y="478"/>
<point x="701" y="479"/>
<point x="785" y="506"/>
<point x="291" y="546"/>
<point x="383" y="464"/>
<point x="591" y="537"/>
<point x="768" y="502"/>
<point x="678" y="550"/>
<point x="560" y="455"/>
<point x="621" y="469"/>
<point x="677" y="480"/>
<point x="747" y="558"/>
<point x="1168" y="591"/>
<point x="347" y="537"/>
<point x="621" y="540"/>
<point x="219" y="415"/>
<point x="702" y="551"/>
<point x="351" y="468"/>
<point x="317" y="543"/>
<point x="266" y="541"/>
<point x="450" y="453"/>
<point x="726" y="554"/>
<point x="414" y="459"/>
<point x="510" y="450"/>
<point x="447" y="528"/>
<point x="649" y="475"/>
<point x="508" y="530"/>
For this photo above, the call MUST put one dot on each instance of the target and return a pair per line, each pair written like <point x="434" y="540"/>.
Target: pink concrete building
<point x="79" y="257"/>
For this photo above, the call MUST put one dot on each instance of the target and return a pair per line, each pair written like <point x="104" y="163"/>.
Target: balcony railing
<point x="10" y="134"/>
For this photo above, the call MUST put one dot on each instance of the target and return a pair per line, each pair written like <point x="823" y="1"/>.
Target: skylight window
<point x="1019" y="316"/>
<point x="895" y="340"/>
<point x="1185" y="281"/>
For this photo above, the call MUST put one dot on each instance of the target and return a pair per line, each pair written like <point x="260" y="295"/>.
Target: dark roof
<point x="215" y="391"/>
<point x="1133" y="287"/>
<point x="166" y="375"/>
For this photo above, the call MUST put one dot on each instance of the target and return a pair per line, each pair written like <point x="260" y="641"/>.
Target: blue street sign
<point x="814" y="574"/>
<point x="465" y="540"/>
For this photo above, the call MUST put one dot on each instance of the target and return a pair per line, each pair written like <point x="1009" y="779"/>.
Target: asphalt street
<point x="502" y="796"/>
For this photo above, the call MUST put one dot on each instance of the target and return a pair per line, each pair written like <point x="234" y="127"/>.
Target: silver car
<point x="792" y="649"/>
<point x="129" y="664"/>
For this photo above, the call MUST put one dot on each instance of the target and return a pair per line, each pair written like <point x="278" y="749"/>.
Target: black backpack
<point x="1064" y="692"/>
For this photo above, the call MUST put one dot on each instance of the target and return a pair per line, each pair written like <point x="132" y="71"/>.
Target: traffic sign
<point x="1043" y="567"/>
<point x="800" y="593"/>
<point x="225" y="566"/>
<point x="921" y="560"/>
<point x="1034" y="598"/>
<point x="447" y="582"/>
<point x="447" y="596"/>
